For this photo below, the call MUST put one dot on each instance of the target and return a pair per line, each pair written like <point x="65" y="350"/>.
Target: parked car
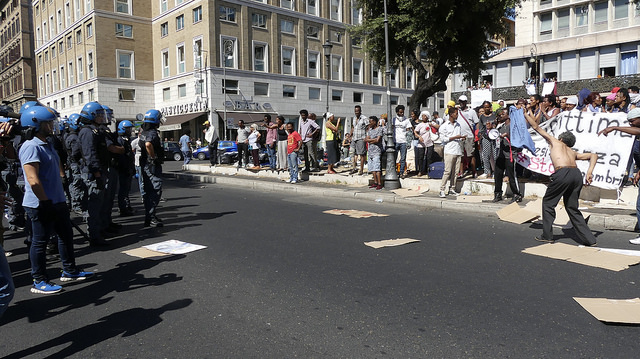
<point x="202" y="153"/>
<point x="172" y="151"/>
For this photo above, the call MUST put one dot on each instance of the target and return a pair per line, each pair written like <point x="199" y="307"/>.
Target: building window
<point x="67" y="14"/>
<point x="260" y="57"/>
<point x="357" y="71"/>
<point x="178" y="2"/>
<point x="80" y="69"/>
<point x="314" y="93"/>
<point x="312" y="7"/>
<point x="71" y="74"/>
<point x="181" y="59"/>
<point x="197" y="14"/>
<point x="89" y="30"/>
<point x="41" y="81"/>
<point x="164" y="29"/>
<point x="620" y="9"/>
<point x="55" y="104"/>
<point x="628" y="63"/>
<point x="182" y="90"/>
<point x="286" y="26"/>
<point x="48" y="83"/>
<point x="563" y="19"/>
<point x="288" y="91"/>
<point x="46" y="56"/>
<point x="197" y="53"/>
<point x="336" y="67"/>
<point x="122" y="6"/>
<point x="356" y="15"/>
<point x="230" y="86"/>
<point x="126" y="94"/>
<point x="260" y="89"/>
<point x="228" y="52"/>
<point x="287" y="4"/>
<point x="63" y="78"/>
<point x="288" y="60"/>
<point x="393" y="100"/>
<point x="54" y="75"/>
<point x="79" y="36"/>
<point x="336" y="10"/>
<point x="409" y="78"/>
<point x="61" y="46"/>
<point x="166" y="94"/>
<point x="357" y="97"/>
<point x="69" y="42"/>
<point x="45" y="32"/>
<point x="601" y="9"/>
<point x="40" y="60"/>
<point x="335" y="36"/>
<point x="582" y="15"/>
<point x="259" y="20"/>
<point x="71" y="103"/>
<point x="179" y="22"/>
<point x="394" y="78"/>
<point x="165" y="63"/>
<point x="546" y="21"/>
<point x="53" y="52"/>
<point x="90" y="64"/>
<point x="164" y="5"/>
<point x="38" y="35"/>
<point x="91" y="93"/>
<point x="336" y="95"/>
<point x="87" y="6"/>
<point x="52" y="27"/>
<point x="80" y="97"/>
<point x="227" y="13"/>
<point x="77" y="4"/>
<point x="376" y="75"/>
<point x="313" y="31"/>
<point x="125" y="64"/>
<point x="313" y="59"/>
<point x="59" y="18"/>
<point x="124" y="30"/>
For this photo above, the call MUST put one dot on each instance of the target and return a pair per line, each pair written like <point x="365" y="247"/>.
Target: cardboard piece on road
<point x="612" y="310"/>
<point x="473" y="199"/>
<point x="514" y="214"/>
<point x="411" y="192"/>
<point x="144" y="253"/>
<point x="390" y="242"/>
<point x="353" y="213"/>
<point x="173" y="246"/>
<point x="589" y="256"/>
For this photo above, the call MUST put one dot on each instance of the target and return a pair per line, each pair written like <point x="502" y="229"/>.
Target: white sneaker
<point x="482" y="176"/>
<point x="442" y="194"/>
<point x="293" y="182"/>
<point x="635" y="241"/>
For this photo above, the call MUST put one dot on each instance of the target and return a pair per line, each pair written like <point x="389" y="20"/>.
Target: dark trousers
<point x="502" y="164"/>
<point x="243" y="154"/>
<point x="213" y="153"/>
<point x="152" y="183"/>
<point x="255" y="156"/>
<point x="310" y="155"/>
<point x="566" y="183"/>
<point x="423" y="159"/>
<point x="124" y="187"/>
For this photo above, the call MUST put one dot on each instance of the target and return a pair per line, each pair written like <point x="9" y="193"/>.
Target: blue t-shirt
<point x="43" y="153"/>
<point x="184" y="143"/>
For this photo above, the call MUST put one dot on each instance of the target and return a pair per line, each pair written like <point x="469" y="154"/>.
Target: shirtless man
<point x="566" y="182"/>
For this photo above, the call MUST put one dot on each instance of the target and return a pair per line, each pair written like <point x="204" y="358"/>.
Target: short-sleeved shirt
<point x="292" y="141"/>
<point x="153" y="137"/>
<point x="401" y="125"/>
<point x="484" y="120"/>
<point x="360" y="127"/>
<point x="471" y="119"/>
<point x="306" y="128"/>
<point x="184" y="143"/>
<point x="243" y="134"/>
<point x="43" y="153"/>
<point x="253" y="140"/>
<point x="447" y="130"/>
<point x="375" y="149"/>
<point x="272" y="135"/>
<point x="424" y="130"/>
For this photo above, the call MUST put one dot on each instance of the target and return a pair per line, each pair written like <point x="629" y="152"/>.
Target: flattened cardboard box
<point x="612" y="310"/>
<point x="390" y="242"/>
<point x="514" y="214"/>
<point x="589" y="256"/>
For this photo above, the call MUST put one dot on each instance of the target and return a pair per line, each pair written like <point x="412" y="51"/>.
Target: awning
<point x="173" y="123"/>
<point x="247" y="117"/>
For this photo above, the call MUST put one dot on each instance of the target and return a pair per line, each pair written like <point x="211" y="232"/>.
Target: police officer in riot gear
<point x="126" y="168"/>
<point x="151" y="159"/>
<point x="77" y="188"/>
<point x="111" y="183"/>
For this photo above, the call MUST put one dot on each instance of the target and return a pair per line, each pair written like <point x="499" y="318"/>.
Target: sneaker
<point x="45" y="287"/>
<point x="442" y="194"/>
<point x="540" y="239"/>
<point x="635" y="241"/>
<point x="360" y="173"/>
<point x="453" y="193"/>
<point x="67" y="277"/>
<point x="373" y="186"/>
<point x="293" y="182"/>
<point x="483" y="176"/>
<point x="378" y="187"/>
<point x="153" y="222"/>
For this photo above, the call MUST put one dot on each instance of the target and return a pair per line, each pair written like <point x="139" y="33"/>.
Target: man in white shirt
<point x="450" y="134"/>
<point x="211" y="136"/>
<point x="401" y="125"/>
<point x="468" y="119"/>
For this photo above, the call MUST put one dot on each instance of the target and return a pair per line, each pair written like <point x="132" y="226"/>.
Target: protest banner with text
<point x="613" y="150"/>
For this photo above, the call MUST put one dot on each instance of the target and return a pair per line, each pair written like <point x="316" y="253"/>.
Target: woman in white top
<point x="254" y="146"/>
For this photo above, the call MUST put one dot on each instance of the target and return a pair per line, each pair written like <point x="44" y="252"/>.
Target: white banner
<point x="479" y="96"/>
<point x="613" y="150"/>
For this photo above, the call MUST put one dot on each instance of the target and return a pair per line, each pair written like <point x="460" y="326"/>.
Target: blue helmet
<point x="108" y="112"/>
<point x="74" y="121"/>
<point x="29" y="104"/>
<point x="84" y="118"/>
<point x="122" y="126"/>
<point x="153" y="116"/>
<point x="36" y="115"/>
<point x="93" y="110"/>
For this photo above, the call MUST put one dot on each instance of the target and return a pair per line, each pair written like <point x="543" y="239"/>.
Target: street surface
<point x="281" y="279"/>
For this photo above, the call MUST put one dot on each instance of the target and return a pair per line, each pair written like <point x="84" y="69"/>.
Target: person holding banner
<point x="565" y="182"/>
<point x="634" y="120"/>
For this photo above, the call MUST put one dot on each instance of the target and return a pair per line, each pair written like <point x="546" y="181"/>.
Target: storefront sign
<point x="185" y="108"/>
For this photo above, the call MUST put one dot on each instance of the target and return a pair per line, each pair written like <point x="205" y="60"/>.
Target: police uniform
<point x="126" y="170"/>
<point x="111" y="183"/>
<point x="151" y="172"/>
<point x="77" y="188"/>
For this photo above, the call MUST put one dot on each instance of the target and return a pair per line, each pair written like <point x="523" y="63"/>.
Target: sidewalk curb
<point x="596" y="220"/>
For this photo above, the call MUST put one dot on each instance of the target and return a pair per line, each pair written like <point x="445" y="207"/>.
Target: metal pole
<point x="391" y="180"/>
<point x="328" y="80"/>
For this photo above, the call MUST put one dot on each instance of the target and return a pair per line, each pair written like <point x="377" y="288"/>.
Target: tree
<point x="451" y="34"/>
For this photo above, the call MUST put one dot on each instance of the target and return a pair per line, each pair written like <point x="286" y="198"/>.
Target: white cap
<point x="328" y="115"/>
<point x="572" y="100"/>
<point x="463" y="98"/>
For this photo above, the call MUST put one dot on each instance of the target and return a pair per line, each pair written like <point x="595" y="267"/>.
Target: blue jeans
<point x="6" y="283"/>
<point x="292" y="160"/>
<point x="402" y="149"/>
<point x="152" y="184"/>
<point x="42" y="230"/>
<point x="140" y="183"/>
<point x="187" y="157"/>
<point x="271" y="152"/>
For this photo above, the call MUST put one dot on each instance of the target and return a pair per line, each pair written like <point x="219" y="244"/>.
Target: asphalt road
<point x="281" y="279"/>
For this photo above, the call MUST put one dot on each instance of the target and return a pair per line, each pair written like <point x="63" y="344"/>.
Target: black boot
<point x="516" y="198"/>
<point x="497" y="197"/>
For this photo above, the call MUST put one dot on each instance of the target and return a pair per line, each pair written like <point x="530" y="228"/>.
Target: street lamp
<point x="227" y="50"/>
<point x="391" y="180"/>
<point x="327" y="46"/>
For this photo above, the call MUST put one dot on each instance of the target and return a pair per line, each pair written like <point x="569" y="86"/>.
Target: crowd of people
<point x="76" y="164"/>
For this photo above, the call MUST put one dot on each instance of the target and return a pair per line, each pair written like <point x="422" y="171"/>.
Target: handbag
<point x="434" y="136"/>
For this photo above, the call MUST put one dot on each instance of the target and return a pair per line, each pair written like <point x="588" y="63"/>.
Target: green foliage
<point x="452" y="33"/>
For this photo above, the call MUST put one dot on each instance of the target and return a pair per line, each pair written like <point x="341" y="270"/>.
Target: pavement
<point x="616" y="215"/>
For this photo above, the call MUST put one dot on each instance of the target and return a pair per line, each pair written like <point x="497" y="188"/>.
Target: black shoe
<point x="497" y="197"/>
<point x="153" y="222"/>
<point x="516" y="198"/>
<point x="540" y="239"/>
<point x="100" y="242"/>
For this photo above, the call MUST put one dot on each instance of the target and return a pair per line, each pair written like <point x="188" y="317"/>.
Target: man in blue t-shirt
<point x="185" y="147"/>
<point x="44" y="201"/>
